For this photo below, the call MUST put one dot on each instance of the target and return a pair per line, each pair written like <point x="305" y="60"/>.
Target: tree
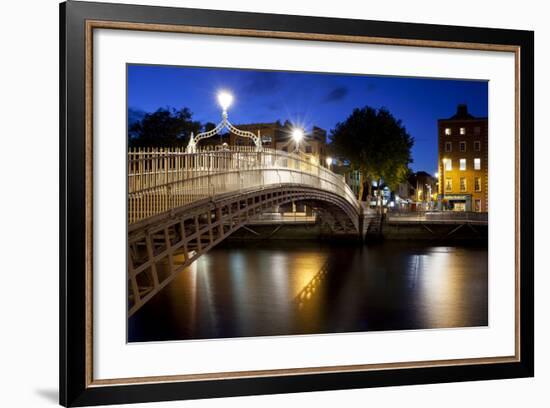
<point x="208" y="126"/>
<point x="376" y="144"/>
<point x="167" y="127"/>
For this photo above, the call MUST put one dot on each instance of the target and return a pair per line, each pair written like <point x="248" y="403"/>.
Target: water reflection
<point x="278" y="288"/>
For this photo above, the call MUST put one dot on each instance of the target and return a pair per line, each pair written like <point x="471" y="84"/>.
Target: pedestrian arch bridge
<point x="182" y="204"/>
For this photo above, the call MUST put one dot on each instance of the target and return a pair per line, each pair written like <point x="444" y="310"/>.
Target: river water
<point x="282" y="288"/>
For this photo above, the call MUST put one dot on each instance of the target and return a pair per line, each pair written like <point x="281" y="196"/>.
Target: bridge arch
<point x="162" y="246"/>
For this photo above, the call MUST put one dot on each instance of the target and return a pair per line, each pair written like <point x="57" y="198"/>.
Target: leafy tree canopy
<point x="167" y="127"/>
<point x="376" y="144"/>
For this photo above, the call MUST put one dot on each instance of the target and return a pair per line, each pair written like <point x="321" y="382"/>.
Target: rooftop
<point x="463" y="114"/>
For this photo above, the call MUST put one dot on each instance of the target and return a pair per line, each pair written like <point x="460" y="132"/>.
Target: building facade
<point x="269" y="133"/>
<point x="425" y="188"/>
<point x="274" y="135"/>
<point x="463" y="176"/>
<point x="312" y="147"/>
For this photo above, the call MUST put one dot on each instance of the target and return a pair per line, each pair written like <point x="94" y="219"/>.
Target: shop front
<point x="456" y="202"/>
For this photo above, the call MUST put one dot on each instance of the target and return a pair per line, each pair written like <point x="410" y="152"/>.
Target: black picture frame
<point x="76" y="387"/>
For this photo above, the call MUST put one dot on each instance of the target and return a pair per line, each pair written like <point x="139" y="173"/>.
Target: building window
<point x="462" y="184"/>
<point x="477" y="145"/>
<point x="462" y="164"/>
<point x="448" y="146"/>
<point x="462" y="146"/>
<point x="448" y="184"/>
<point x="309" y="149"/>
<point x="477" y="183"/>
<point x="448" y="164"/>
<point x="477" y="205"/>
<point x="477" y="164"/>
<point x="448" y="131"/>
<point x="477" y="130"/>
<point x="462" y="131"/>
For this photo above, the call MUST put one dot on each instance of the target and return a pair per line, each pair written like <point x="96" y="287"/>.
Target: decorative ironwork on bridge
<point x="225" y="100"/>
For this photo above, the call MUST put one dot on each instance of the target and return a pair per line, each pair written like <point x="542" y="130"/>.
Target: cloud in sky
<point x="336" y="94"/>
<point x="258" y="83"/>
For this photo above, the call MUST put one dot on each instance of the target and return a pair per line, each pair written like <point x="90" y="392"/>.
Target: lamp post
<point x="442" y="183"/>
<point x="436" y="174"/>
<point x="329" y="162"/>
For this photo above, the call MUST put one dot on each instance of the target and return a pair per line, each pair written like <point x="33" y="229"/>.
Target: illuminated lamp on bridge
<point x="225" y="99"/>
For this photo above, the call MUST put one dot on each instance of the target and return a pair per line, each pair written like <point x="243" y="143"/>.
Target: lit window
<point x="477" y="130"/>
<point x="477" y="164"/>
<point x="477" y="145"/>
<point x="462" y="146"/>
<point x="477" y="205"/>
<point x="448" y="146"/>
<point x="462" y="131"/>
<point x="448" y="164"/>
<point x="448" y="184"/>
<point x="462" y="164"/>
<point x="448" y="131"/>
<point x="462" y="183"/>
<point x="477" y="183"/>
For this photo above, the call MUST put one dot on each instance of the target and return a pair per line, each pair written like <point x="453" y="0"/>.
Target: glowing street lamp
<point x="225" y="99"/>
<point x="329" y="161"/>
<point x="297" y="135"/>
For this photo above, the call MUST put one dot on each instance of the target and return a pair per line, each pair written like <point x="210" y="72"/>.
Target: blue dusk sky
<point x="307" y="99"/>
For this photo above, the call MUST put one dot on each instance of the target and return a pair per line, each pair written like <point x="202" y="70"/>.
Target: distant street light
<point x="329" y="161"/>
<point x="297" y="135"/>
<point x="225" y="99"/>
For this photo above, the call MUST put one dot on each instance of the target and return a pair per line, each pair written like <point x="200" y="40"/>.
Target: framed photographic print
<point x="255" y="203"/>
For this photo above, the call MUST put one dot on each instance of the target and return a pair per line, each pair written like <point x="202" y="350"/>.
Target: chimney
<point x="462" y="110"/>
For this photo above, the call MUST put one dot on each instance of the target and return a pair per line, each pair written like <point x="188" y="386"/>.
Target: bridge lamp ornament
<point x="225" y="99"/>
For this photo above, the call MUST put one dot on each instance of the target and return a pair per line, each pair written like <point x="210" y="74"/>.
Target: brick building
<point x="463" y="162"/>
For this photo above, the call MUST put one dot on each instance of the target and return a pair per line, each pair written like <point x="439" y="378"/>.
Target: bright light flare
<point x="297" y="135"/>
<point x="329" y="161"/>
<point x="225" y="99"/>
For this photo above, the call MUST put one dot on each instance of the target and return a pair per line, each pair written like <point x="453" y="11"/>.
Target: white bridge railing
<point x="160" y="180"/>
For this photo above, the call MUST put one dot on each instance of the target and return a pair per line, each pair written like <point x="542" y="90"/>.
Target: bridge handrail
<point x="163" y="179"/>
<point x="160" y="199"/>
<point x="156" y="166"/>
